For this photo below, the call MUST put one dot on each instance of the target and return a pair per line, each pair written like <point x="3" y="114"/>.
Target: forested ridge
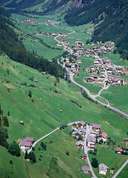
<point x="11" y="45"/>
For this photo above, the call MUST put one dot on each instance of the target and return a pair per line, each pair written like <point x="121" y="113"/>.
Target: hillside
<point x="109" y="16"/>
<point x="110" y="19"/>
<point x="11" y="45"/>
<point x="36" y="6"/>
<point x="35" y="99"/>
<point x="52" y="104"/>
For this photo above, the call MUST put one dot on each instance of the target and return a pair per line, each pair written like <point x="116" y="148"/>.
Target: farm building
<point x="25" y="144"/>
<point x="103" y="169"/>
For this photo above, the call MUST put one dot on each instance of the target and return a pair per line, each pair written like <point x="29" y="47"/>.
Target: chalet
<point x="90" y="79"/>
<point x="114" y="80"/>
<point x="103" y="169"/>
<point x="92" y="69"/>
<point x="86" y="169"/>
<point x="103" y="136"/>
<point x="79" y="44"/>
<point x="22" y="122"/>
<point x="80" y="144"/>
<point x="81" y="124"/>
<point x="25" y="144"/>
<point x="91" y="141"/>
<point x="119" y="150"/>
<point x="96" y="127"/>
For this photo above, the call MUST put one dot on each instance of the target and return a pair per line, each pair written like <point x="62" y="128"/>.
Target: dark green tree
<point x="5" y="121"/>
<point x="32" y="157"/>
<point x="26" y="156"/>
<point x="43" y="145"/>
<point x="3" y="137"/>
<point x="94" y="162"/>
<point x="14" y="149"/>
<point x="30" y="94"/>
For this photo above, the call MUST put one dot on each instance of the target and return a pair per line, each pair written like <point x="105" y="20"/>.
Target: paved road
<point x="42" y="138"/>
<point x="86" y="151"/>
<point x="120" y="170"/>
<point x="93" y="98"/>
<point x="47" y="135"/>
<point x="55" y="130"/>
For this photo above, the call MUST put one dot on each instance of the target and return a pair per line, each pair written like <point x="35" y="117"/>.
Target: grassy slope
<point x="32" y="41"/>
<point x="117" y="95"/>
<point x="43" y="115"/>
<point x="106" y="155"/>
<point x="124" y="173"/>
<point x="86" y="62"/>
<point x="111" y="16"/>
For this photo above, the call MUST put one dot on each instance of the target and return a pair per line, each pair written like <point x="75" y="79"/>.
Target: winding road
<point x="55" y="130"/>
<point x="70" y="76"/>
<point x="93" y="97"/>
<point x="85" y="149"/>
<point x="88" y="93"/>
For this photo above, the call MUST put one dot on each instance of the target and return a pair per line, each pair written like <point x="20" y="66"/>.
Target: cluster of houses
<point x="78" y="49"/>
<point x="71" y="64"/>
<point x="103" y="169"/>
<point x="124" y="149"/>
<point x="48" y="34"/>
<point x="121" y="150"/>
<point x="33" y="21"/>
<point x="104" y="72"/>
<point x="92" y="133"/>
<point x="86" y="136"/>
<point x="50" y="22"/>
<point x="99" y="48"/>
<point x="29" y="21"/>
<point x="72" y="61"/>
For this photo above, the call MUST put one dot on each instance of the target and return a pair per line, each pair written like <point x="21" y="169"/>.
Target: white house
<point x="103" y="169"/>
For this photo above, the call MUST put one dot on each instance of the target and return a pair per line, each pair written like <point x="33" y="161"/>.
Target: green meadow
<point x="86" y="62"/>
<point x="106" y="154"/>
<point x="117" y="95"/>
<point x="124" y="173"/>
<point x="52" y="104"/>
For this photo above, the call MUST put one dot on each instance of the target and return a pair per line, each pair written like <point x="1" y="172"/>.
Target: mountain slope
<point x="52" y="104"/>
<point x="11" y="45"/>
<point x="45" y="6"/>
<point x="109" y="16"/>
<point x="18" y="5"/>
